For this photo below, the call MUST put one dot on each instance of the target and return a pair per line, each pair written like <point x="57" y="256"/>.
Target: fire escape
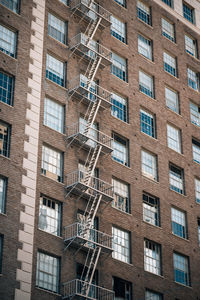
<point x="83" y="182"/>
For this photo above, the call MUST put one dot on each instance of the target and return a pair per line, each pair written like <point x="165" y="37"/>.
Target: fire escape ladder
<point x="92" y="164"/>
<point x="92" y="30"/>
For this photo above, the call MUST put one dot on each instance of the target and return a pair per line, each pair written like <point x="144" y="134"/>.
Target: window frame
<point x="125" y="161"/>
<point x="196" y="144"/>
<point x="194" y="43"/>
<point x="120" y="292"/>
<point x="4" y="194"/>
<point x="151" y="217"/>
<point x="122" y="246"/>
<point x="168" y="100"/>
<point x="156" y="267"/>
<point x="180" y="181"/>
<point x="159" y="296"/>
<point x="193" y="84"/>
<point x="171" y="140"/>
<point x="154" y="167"/>
<point x="170" y="3"/>
<point x="61" y="40"/>
<point x="144" y="124"/>
<point x="119" y="3"/>
<point x="168" y="31"/>
<point x="17" y="10"/>
<point x="192" y="11"/>
<point x="120" y="108"/>
<point x="58" y="78"/>
<point x="143" y="88"/>
<point x="5" y="150"/>
<point x="122" y="194"/>
<point x="57" y="118"/>
<point x="119" y="33"/>
<point x="11" y="45"/>
<point x="143" y="15"/>
<point x="187" y="271"/>
<point x="8" y="90"/>
<point x="122" y="72"/>
<point x="197" y="189"/>
<point x="195" y="119"/>
<point x="179" y="223"/>
<point x="170" y="64"/>
<point x="149" y="46"/>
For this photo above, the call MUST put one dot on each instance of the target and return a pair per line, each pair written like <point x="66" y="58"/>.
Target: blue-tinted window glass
<point x="6" y="88"/>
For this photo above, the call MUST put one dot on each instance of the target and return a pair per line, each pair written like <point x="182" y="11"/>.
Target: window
<point x="198" y="222"/>
<point x="152" y="257"/>
<point x="52" y="162"/>
<point x="181" y="269"/>
<point x="50" y="216"/>
<point x="197" y="190"/>
<point x="1" y="252"/>
<point x="151" y="209"/>
<point x="149" y="165"/>
<point x="190" y="45"/>
<point x="55" y="70"/>
<point x="188" y="13"/>
<point x="3" y="187"/>
<point x="7" y="41"/>
<point x="57" y="28"/>
<point x="146" y="84"/>
<point x="93" y="88"/>
<point x="121" y="196"/>
<point x="196" y="150"/>
<point x="5" y="131"/>
<point x="147" y="123"/>
<point x="11" y="4"/>
<point x="174" y="138"/>
<point x="65" y="2"/>
<point x="168" y="2"/>
<point x="122" y="289"/>
<point x="169" y="64"/>
<point x="119" y="67"/>
<point x="168" y="30"/>
<point x="143" y="12"/>
<point x="145" y="46"/>
<point x="150" y="295"/>
<point x="119" y="108"/>
<point x="193" y="79"/>
<point x="176" y="179"/>
<point x="47" y="273"/>
<point x="6" y="88"/>
<point x="172" y="100"/>
<point x="92" y="132"/>
<point x="121" y="244"/>
<point x="118" y="29"/>
<point x="195" y="114"/>
<point x="54" y="115"/>
<point x="178" y="223"/>
<point x="120" y="150"/>
<point x="121" y="2"/>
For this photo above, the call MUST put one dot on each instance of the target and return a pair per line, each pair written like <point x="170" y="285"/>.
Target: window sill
<point x="147" y="96"/>
<point x="46" y="126"/>
<point x="61" y="183"/>
<point x="176" y="151"/>
<point x="192" y="56"/>
<point x="174" y="77"/>
<point x="121" y="211"/>
<point x="121" y="80"/>
<point x="14" y="58"/>
<point x="52" y="293"/>
<point x="146" y="58"/>
<point x="173" y="42"/>
<point x="120" y="163"/>
<point x="161" y="276"/>
<point x="51" y="81"/>
<point x="183" y="285"/>
<point x="8" y="105"/>
<point x="17" y="14"/>
<point x="5" y="157"/>
<point x="178" y="193"/>
<point x="120" y="5"/>
<point x="196" y="91"/>
<point x="59" y="42"/>
<point x="151" y="180"/>
<point x="177" y="114"/>
<point x="120" y="120"/>
<point x="196" y="163"/>
<point x="3" y="214"/>
<point x="148" y="25"/>
<point x="154" y="226"/>
<point x="120" y="261"/>
<point x="184" y="239"/>
<point x="51" y="234"/>
<point x="124" y="43"/>
<point x="145" y="134"/>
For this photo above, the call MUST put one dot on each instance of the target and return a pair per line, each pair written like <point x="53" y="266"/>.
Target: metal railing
<point x="79" y="287"/>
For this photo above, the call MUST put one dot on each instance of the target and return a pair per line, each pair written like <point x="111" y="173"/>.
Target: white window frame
<point x="151" y="209"/>
<point x="121" y="195"/>
<point x="3" y="189"/>
<point x="118" y="29"/>
<point x="174" y="138"/>
<point x="119" y="108"/>
<point x="145" y="124"/>
<point x="195" y="113"/>
<point x="197" y="190"/>
<point x="119" y="67"/>
<point x="176" y="179"/>
<point x="179" y="224"/>
<point x="54" y="115"/>
<point x="143" y="12"/>
<point x="8" y="41"/>
<point x="190" y="45"/>
<point x="121" y="244"/>
<point x="149" y="162"/>
<point x="151" y="295"/>
<point x="172" y="99"/>
<point x="181" y="264"/>
<point x="193" y="79"/>
<point x="168" y="30"/>
<point x="57" y="28"/>
<point x="56" y="67"/>
<point x="196" y="150"/>
<point x="152" y="257"/>
<point x="52" y="161"/>
<point x="145" y="46"/>
<point x="170" y="64"/>
<point x="146" y="84"/>
<point x="120" y="151"/>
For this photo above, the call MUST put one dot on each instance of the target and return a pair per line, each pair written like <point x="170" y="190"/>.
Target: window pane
<point x="121" y="2"/>
<point x="1" y="252"/>
<point x="150" y="295"/>
<point x="118" y="67"/>
<point x="120" y="150"/>
<point x="144" y="46"/>
<point x="147" y="123"/>
<point x="152" y="257"/>
<point x="3" y="186"/>
<point x="168" y="30"/>
<point x="181" y="271"/>
<point x="174" y="138"/>
<point x="55" y="70"/>
<point x="190" y="46"/>
<point x="92" y="132"/>
<point x="169" y="64"/>
<point x="198" y="230"/>
<point x="195" y="114"/>
<point x="53" y="115"/>
<point x="146" y="84"/>
<point x="143" y="12"/>
<point x="7" y="41"/>
<point x="11" y="4"/>
<point x="118" y="29"/>
<point x="119" y="108"/>
<point x="192" y="79"/>
<point x="6" y="88"/>
<point x="188" y="13"/>
<point x="52" y="163"/>
<point x="172" y="100"/>
<point x="149" y="165"/>
<point x="197" y="190"/>
<point x="168" y="2"/>
<point x="4" y="139"/>
<point x="176" y="179"/>
<point x="178" y="223"/>
<point x="196" y="151"/>
<point x="56" y="28"/>
<point x="121" y="245"/>
<point x="121" y="195"/>
<point x="151" y="211"/>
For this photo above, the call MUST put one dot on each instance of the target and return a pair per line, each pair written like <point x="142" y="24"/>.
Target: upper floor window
<point x="190" y="45"/>
<point x="152" y="257"/>
<point x="55" y="70"/>
<point x="54" y="115"/>
<point x="176" y="179"/>
<point x="122" y="289"/>
<point x="147" y="123"/>
<point x="174" y="138"/>
<point x="151" y="295"/>
<point x="179" y="223"/>
<point x="57" y="28"/>
<point x="196" y="150"/>
<point x="119" y="108"/>
<point x="151" y="209"/>
<point x="8" y="41"/>
<point x="145" y="46"/>
<point x="11" y="4"/>
<point x="181" y="269"/>
<point x="3" y="187"/>
<point x="172" y="99"/>
<point x="119" y="67"/>
<point x="168" y="30"/>
<point x="52" y="162"/>
<point x="6" y="88"/>
<point x="47" y="272"/>
<point x="193" y="79"/>
<point x="120" y="150"/>
<point x="195" y="113"/>
<point x="198" y="222"/>
<point x="121" y="2"/>
<point x="143" y="12"/>
<point x="1" y="252"/>
<point x="188" y="13"/>
<point x="168" y="2"/>
<point x="121" y="244"/>
<point x="121" y="195"/>
<point x="66" y="2"/>
<point x="170" y="64"/>
<point x="149" y="165"/>
<point x="5" y="132"/>
<point x="146" y="84"/>
<point x="197" y="190"/>
<point x="118" y="29"/>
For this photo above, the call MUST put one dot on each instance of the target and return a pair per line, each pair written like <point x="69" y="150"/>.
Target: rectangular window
<point x="5" y="132"/>
<point x="65" y="2"/>
<point x="146" y="84"/>
<point x="119" y="67"/>
<point x="169" y="64"/>
<point x="3" y="187"/>
<point x="120" y="150"/>
<point x="196" y="150"/>
<point x="195" y="114"/>
<point x="121" y="196"/>
<point x="121" y="244"/>
<point x="150" y="295"/>
<point x="122" y="289"/>
<point x="188" y="13"/>
<point x="55" y="70"/>
<point x="52" y="162"/>
<point x="54" y="115"/>
<point x="168" y="2"/>
<point x="149" y="165"/>
<point x="47" y="272"/>
<point x="147" y="123"/>
<point x="190" y="45"/>
<point x="179" y="223"/>
<point x="145" y="46"/>
<point x="119" y="108"/>
<point x="57" y="28"/>
<point x="168" y="30"/>
<point x="1" y="252"/>
<point x="121" y="2"/>
<point x="176" y="179"/>
<point x="143" y="12"/>
<point x="7" y="41"/>
<point x="198" y="222"/>
<point x="6" y="88"/>
<point x="172" y="100"/>
<point x="152" y="257"/>
<point x="11" y="4"/>
<point x="193" y="79"/>
<point x="174" y="138"/>
<point x="151" y="209"/>
<point x="181" y="269"/>
<point x="118" y="29"/>
<point x="197" y="190"/>
<point x="50" y="216"/>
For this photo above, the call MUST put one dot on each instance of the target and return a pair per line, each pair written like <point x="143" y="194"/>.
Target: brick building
<point x="100" y="149"/>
